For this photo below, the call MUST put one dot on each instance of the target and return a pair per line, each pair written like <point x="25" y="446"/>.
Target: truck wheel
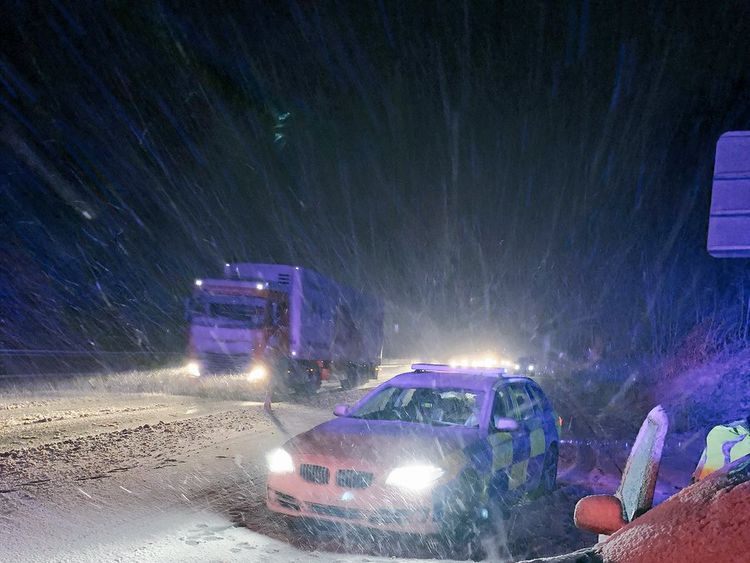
<point x="308" y="381"/>
<point x="352" y="377"/>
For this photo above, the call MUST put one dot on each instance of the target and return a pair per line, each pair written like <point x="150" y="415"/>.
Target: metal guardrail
<point x="15" y="363"/>
<point x="15" y="352"/>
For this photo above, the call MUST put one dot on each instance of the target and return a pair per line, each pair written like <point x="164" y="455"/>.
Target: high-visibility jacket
<point x="724" y="444"/>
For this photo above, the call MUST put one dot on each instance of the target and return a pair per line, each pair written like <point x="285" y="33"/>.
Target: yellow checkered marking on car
<point x="453" y="462"/>
<point x="538" y="443"/>
<point x="502" y="450"/>
<point x="518" y="474"/>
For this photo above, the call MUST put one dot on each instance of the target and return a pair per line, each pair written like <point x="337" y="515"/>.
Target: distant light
<point x="193" y="369"/>
<point x="199" y="282"/>
<point x="226" y="265"/>
<point x="294" y="353"/>
<point x="296" y="267"/>
<point x="531" y="367"/>
<point x="259" y="286"/>
<point x="516" y="366"/>
<point x="258" y="372"/>
<point x="484" y="362"/>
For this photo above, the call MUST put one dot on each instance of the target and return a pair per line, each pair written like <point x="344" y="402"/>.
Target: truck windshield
<point x="229" y="311"/>
<point x="437" y="407"/>
<point x="252" y="314"/>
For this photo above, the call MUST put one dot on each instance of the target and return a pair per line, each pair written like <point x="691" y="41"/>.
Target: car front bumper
<point x="377" y="506"/>
<point x="414" y="520"/>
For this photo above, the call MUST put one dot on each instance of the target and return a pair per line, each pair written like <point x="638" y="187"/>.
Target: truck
<point x="284" y="323"/>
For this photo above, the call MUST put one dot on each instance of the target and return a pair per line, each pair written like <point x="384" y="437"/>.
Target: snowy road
<point x="95" y="472"/>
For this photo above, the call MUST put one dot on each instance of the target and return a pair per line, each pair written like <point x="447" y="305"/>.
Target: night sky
<point x="504" y="174"/>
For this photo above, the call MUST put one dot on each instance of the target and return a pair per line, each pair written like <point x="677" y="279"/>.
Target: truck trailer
<point x="287" y="323"/>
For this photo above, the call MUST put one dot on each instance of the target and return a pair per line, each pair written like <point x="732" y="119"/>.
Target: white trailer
<point x="286" y="322"/>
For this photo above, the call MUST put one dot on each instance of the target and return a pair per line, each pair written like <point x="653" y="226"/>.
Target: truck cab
<point x="283" y="322"/>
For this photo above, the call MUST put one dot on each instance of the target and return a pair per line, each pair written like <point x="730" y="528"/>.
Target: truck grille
<point x="353" y="479"/>
<point x="314" y="474"/>
<point x="225" y="363"/>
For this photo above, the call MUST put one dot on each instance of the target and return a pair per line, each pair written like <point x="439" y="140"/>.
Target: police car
<point x="433" y="451"/>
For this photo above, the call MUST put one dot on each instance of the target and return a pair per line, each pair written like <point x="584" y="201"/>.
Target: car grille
<point x="314" y="473"/>
<point x="353" y="479"/>
<point x="336" y="511"/>
<point x="287" y="501"/>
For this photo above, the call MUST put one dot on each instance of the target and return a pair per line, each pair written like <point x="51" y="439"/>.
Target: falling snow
<point x="526" y="181"/>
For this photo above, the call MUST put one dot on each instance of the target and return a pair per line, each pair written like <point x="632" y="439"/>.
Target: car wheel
<point x="548" y="480"/>
<point x="465" y="542"/>
<point x="462" y="529"/>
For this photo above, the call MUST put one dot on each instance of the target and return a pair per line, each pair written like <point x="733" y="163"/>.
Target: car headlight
<point x="257" y="372"/>
<point x="193" y="369"/>
<point x="414" y="477"/>
<point x="279" y="461"/>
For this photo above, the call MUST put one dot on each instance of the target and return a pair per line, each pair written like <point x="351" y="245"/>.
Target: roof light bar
<point x="445" y="368"/>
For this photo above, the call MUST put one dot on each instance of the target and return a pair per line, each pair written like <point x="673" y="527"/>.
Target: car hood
<point x="383" y="443"/>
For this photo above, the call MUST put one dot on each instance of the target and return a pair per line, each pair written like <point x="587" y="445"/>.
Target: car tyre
<point x="548" y="480"/>
<point x="462" y="530"/>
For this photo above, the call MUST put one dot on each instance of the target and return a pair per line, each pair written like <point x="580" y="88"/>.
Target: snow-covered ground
<point x="90" y="472"/>
<point x="173" y="533"/>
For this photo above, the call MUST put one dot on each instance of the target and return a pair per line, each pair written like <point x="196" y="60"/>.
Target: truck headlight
<point x="193" y="369"/>
<point x="257" y="372"/>
<point x="414" y="477"/>
<point x="279" y="461"/>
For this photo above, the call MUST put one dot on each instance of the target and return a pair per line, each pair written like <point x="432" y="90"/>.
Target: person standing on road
<point x="276" y="339"/>
<point x="272" y="361"/>
<point x="724" y="444"/>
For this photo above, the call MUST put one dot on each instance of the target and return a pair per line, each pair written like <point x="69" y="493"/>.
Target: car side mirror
<point x="341" y="410"/>
<point x="601" y="514"/>
<point x="506" y="424"/>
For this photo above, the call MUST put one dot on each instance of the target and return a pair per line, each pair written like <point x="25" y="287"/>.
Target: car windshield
<point x="436" y="407"/>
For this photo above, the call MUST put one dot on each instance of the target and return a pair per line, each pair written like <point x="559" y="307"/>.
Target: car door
<point x="528" y="441"/>
<point x="501" y="443"/>
<point x="540" y="426"/>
